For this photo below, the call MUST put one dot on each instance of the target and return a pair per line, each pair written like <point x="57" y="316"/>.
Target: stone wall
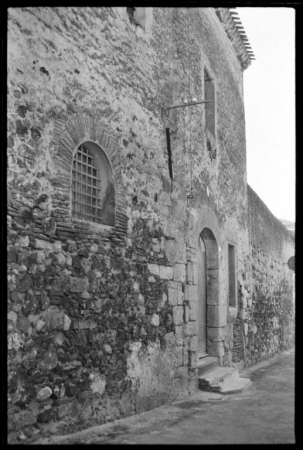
<point x="102" y="320"/>
<point x="267" y="294"/>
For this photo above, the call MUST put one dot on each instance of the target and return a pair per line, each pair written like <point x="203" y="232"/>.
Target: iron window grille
<point x="86" y="187"/>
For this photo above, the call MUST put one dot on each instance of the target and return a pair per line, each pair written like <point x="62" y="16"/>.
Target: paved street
<point x="263" y="414"/>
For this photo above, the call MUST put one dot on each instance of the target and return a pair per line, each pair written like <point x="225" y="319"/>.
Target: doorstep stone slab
<point x="217" y="379"/>
<point x="207" y="364"/>
<point x="223" y="380"/>
<point x="236" y="386"/>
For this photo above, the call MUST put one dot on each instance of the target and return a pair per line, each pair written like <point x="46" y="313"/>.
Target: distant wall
<point x="266" y="313"/>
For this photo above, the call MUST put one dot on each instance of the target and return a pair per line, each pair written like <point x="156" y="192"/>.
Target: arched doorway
<point x="208" y="285"/>
<point x="202" y="298"/>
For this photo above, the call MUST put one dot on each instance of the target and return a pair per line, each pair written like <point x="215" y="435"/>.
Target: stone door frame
<point x="212" y="286"/>
<point x="205" y="224"/>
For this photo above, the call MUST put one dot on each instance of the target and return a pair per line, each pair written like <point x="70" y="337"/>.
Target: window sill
<point x="93" y="226"/>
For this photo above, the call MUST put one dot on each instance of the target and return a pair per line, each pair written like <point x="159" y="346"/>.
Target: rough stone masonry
<point x="103" y="320"/>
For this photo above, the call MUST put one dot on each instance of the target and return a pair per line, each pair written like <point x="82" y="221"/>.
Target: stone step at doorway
<point x="206" y="364"/>
<point x="223" y="380"/>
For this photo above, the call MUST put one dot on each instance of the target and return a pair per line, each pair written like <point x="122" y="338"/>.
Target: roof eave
<point x="236" y="35"/>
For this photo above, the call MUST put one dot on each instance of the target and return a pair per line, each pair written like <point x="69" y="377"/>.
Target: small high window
<point x="93" y="191"/>
<point x="209" y="93"/>
<point x="210" y="114"/>
<point x="232" y="275"/>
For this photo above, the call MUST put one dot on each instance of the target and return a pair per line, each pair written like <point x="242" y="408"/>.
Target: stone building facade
<point x="135" y="246"/>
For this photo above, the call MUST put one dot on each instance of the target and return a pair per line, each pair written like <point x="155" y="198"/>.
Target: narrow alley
<point x="139" y="258"/>
<point x="263" y="414"/>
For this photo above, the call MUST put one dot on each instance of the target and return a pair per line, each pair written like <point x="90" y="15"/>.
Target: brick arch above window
<point x="68" y="136"/>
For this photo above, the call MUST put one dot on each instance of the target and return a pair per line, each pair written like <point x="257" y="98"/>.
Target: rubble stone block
<point x="49" y="226"/>
<point x="172" y="296"/>
<point x="61" y="259"/>
<point x="56" y="246"/>
<point x="23" y="241"/>
<point x="23" y="324"/>
<point x="107" y="348"/>
<point x="66" y="322"/>
<point x="44" y="394"/>
<point x="24" y="283"/>
<point x="78" y="284"/>
<point x="49" y="362"/>
<point x="179" y="335"/>
<point x="83" y="252"/>
<point x="178" y="313"/>
<point x="12" y="254"/>
<point x="154" y="269"/>
<point x="163" y="300"/>
<point x="14" y="341"/>
<point x="70" y="389"/>
<point x="155" y="320"/>
<point x="12" y="316"/>
<point x="94" y="248"/>
<point x="98" y="385"/>
<point x="39" y="282"/>
<point x="179" y="272"/>
<point x="169" y="339"/>
<point x="23" y="418"/>
<point x="45" y="245"/>
<point x="86" y="264"/>
<point x="65" y="409"/>
<point x="59" y="339"/>
<point x="166" y="272"/>
<point x="61" y="284"/>
<point x="56" y="320"/>
<point x="45" y="415"/>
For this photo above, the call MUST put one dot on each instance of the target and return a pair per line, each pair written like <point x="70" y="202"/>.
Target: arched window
<point x="93" y="190"/>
